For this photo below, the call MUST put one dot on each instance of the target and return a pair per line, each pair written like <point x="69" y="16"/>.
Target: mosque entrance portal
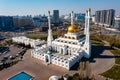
<point x="46" y="59"/>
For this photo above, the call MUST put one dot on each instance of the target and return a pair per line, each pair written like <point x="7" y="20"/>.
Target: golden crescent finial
<point x="48" y="12"/>
<point x="89" y="9"/>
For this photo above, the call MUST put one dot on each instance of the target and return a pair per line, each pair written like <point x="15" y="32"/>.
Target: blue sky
<point x="36" y="7"/>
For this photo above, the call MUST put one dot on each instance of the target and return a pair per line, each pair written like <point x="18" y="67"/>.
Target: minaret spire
<point x="71" y="17"/>
<point x="49" y="25"/>
<point x="50" y="37"/>
<point x="85" y="22"/>
<point x="87" y="44"/>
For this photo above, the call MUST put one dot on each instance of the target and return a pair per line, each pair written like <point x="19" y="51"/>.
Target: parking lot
<point x="10" y="53"/>
<point x="4" y="50"/>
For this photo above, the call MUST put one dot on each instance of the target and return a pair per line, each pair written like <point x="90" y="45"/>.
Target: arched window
<point x="65" y="36"/>
<point x="69" y="37"/>
<point x="73" y="38"/>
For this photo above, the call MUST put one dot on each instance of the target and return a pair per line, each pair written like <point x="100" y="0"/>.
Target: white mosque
<point x="66" y="50"/>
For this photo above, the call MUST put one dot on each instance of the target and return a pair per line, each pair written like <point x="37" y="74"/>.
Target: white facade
<point x="33" y="43"/>
<point x="66" y="50"/>
<point x="93" y="19"/>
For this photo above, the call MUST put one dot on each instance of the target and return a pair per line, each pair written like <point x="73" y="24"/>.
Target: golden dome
<point x="73" y="29"/>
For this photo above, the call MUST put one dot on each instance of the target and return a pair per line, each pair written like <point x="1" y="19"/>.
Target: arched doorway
<point x="46" y="59"/>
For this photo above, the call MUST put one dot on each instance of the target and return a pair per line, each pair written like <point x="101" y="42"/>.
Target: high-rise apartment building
<point x="6" y="23"/>
<point x="80" y="16"/>
<point x="24" y="21"/>
<point x="40" y="21"/>
<point x="105" y="17"/>
<point x="117" y="23"/>
<point x="56" y="16"/>
<point x="97" y="16"/>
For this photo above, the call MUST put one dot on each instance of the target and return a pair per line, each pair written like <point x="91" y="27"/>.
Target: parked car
<point x="12" y="57"/>
<point x="5" y="57"/>
<point x="3" y="60"/>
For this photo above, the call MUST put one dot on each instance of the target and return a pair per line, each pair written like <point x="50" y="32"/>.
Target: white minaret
<point x="71" y="17"/>
<point x="87" y="44"/>
<point x="85" y="23"/>
<point x="50" y="37"/>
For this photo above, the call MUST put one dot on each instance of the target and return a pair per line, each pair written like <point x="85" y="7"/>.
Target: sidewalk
<point x="104" y="60"/>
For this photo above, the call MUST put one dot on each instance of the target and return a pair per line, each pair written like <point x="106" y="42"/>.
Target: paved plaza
<point x="34" y="67"/>
<point x="102" y="59"/>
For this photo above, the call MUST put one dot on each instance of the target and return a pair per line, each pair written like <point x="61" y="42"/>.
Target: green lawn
<point x="117" y="61"/>
<point x="113" y="73"/>
<point x="117" y="54"/>
<point x="98" y="43"/>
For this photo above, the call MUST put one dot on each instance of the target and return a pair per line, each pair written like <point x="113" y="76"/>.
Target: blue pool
<point x="21" y="76"/>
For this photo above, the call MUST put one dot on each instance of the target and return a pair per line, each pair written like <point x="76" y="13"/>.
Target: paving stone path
<point x="102" y="60"/>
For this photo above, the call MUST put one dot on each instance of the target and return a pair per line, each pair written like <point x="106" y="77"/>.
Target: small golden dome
<point x="88" y="10"/>
<point x="73" y="29"/>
